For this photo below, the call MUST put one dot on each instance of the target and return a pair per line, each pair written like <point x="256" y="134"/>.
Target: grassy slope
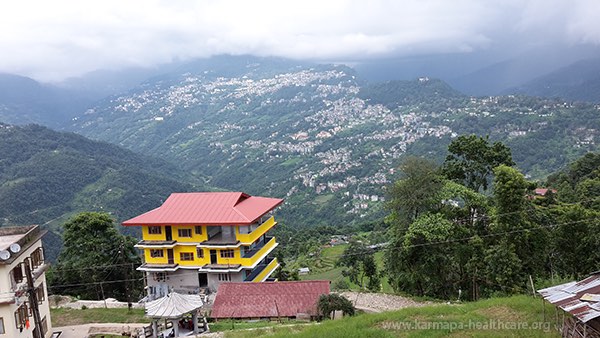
<point x="473" y="317"/>
<point x="323" y="268"/>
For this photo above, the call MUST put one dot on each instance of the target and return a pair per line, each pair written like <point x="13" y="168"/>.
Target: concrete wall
<point x="7" y="310"/>
<point x="213" y="280"/>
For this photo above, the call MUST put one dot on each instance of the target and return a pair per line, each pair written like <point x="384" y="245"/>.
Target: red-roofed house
<point x="268" y="300"/>
<point x="199" y="240"/>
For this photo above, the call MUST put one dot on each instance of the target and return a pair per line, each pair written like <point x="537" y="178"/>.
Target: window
<point x="227" y="253"/>
<point x="200" y="252"/>
<point x="184" y="232"/>
<point x="198" y="230"/>
<point x="37" y="257"/>
<point x="44" y="326"/>
<point x="224" y="277"/>
<point x="17" y="275"/>
<point x="21" y="316"/>
<point x="154" y="230"/>
<point x="186" y="256"/>
<point x="40" y="293"/>
<point x="2" y="331"/>
<point x="157" y="253"/>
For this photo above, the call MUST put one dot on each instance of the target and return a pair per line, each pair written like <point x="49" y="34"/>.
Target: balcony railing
<point x="260" y="253"/>
<point x="262" y="270"/>
<point x="261" y="230"/>
<point x="257" y="248"/>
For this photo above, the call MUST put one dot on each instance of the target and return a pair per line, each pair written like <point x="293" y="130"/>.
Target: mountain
<point x="319" y="135"/>
<point x="499" y="77"/>
<point x="24" y="100"/>
<point x="46" y="176"/>
<point x="579" y="81"/>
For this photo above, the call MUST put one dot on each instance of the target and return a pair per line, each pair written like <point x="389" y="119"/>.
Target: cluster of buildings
<point x="192" y="245"/>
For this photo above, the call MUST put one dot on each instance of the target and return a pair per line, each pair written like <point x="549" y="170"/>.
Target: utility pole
<point x="33" y="302"/>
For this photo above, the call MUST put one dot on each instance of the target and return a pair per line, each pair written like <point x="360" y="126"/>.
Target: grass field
<point x="67" y="316"/>
<point x="518" y="316"/>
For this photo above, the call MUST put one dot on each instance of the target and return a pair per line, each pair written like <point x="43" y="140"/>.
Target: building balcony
<point x="145" y="244"/>
<point x="257" y="247"/>
<point x="158" y="267"/>
<point x="252" y="257"/>
<point x="261" y="230"/>
<point x="262" y="271"/>
<point x="221" y="240"/>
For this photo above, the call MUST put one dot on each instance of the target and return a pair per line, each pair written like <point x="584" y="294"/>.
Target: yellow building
<point x="199" y="240"/>
<point x="22" y="269"/>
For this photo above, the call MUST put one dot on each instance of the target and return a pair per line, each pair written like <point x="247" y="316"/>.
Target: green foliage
<point x="472" y="159"/>
<point x="416" y="193"/>
<point x="332" y="302"/>
<point x="359" y="262"/>
<point x="96" y="262"/>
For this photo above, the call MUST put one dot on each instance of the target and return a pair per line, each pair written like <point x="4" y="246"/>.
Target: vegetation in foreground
<point x="519" y="316"/>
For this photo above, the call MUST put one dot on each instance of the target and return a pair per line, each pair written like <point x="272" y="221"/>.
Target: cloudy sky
<point x="50" y="40"/>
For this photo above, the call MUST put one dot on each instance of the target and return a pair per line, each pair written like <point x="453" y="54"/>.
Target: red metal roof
<point x="268" y="299"/>
<point x="206" y="208"/>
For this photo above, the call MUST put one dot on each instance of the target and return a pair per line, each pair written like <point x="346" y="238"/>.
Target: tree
<point x="360" y="263"/>
<point x="472" y="159"/>
<point x="422" y="261"/>
<point x="96" y="260"/>
<point x="417" y="192"/>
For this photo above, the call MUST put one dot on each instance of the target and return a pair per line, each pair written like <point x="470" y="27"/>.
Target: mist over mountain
<point x="579" y="81"/>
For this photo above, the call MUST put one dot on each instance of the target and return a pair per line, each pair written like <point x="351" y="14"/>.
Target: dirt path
<point x="81" y="331"/>
<point x="380" y="302"/>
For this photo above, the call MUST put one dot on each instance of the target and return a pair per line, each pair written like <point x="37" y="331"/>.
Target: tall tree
<point x="417" y="192"/>
<point x="472" y="159"/>
<point x="96" y="260"/>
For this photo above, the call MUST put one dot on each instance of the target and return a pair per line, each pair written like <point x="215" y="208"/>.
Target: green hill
<point x="46" y="176"/>
<point x="319" y="136"/>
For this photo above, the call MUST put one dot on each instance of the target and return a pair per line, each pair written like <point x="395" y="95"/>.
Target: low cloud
<point x="50" y="40"/>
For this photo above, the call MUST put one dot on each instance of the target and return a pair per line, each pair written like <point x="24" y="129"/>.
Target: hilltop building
<point x="197" y="241"/>
<point x="24" y="308"/>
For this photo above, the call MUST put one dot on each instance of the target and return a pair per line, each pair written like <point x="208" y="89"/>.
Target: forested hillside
<point x="46" y="176"/>
<point x="319" y="136"/>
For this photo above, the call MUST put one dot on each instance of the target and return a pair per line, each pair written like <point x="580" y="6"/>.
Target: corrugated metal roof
<point x="574" y="297"/>
<point x="268" y="299"/>
<point x="206" y="208"/>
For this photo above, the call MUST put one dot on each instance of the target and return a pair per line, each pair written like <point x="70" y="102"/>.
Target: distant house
<point x="22" y="268"/>
<point x="294" y="299"/>
<point x="303" y="271"/>
<point x="542" y="192"/>
<point x="579" y="303"/>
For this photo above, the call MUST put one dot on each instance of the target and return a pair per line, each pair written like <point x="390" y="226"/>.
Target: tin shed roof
<point x="268" y="299"/>
<point x="577" y="298"/>
<point x="207" y="208"/>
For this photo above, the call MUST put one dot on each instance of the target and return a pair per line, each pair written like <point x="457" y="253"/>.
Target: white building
<point x="22" y="256"/>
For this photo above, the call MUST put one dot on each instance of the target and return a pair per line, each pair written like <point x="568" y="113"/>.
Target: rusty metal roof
<point x="578" y="298"/>
<point x="268" y="299"/>
<point x="207" y="208"/>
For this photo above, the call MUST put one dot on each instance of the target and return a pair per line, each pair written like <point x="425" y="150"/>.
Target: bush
<point x="333" y="302"/>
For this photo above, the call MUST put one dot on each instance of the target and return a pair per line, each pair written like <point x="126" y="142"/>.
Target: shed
<point x="579" y="303"/>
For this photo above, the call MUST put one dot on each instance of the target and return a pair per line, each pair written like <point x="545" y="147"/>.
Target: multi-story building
<point x="24" y="308"/>
<point x="199" y="240"/>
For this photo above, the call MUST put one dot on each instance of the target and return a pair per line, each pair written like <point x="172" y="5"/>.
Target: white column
<point x="195" y="321"/>
<point x="175" y="327"/>
<point x="154" y="328"/>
